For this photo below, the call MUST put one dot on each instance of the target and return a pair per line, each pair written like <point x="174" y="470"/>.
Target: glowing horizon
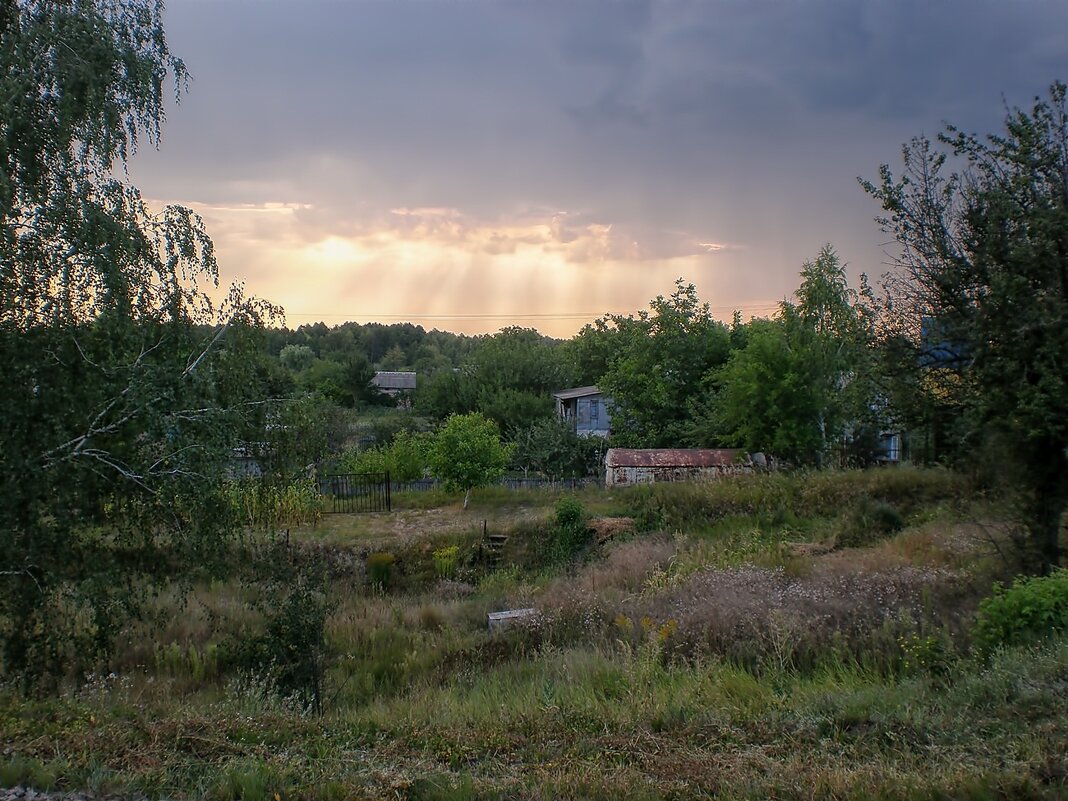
<point x="441" y="269"/>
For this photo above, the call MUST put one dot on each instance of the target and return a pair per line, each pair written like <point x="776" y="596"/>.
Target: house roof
<point x="672" y="457"/>
<point x="576" y="392"/>
<point x="385" y="379"/>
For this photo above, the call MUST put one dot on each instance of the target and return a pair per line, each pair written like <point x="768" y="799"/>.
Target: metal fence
<point x="357" y="492"/>
<point x="372" y="492"/>
<point x="427" y="484"/>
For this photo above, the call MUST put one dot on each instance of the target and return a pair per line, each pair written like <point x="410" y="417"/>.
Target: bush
<point x="569" y="513"/>
<point x="291" y="653"/>
<point x="1028" y="610"/>
<point x="869" y="522"/>
<point x="380" y="569"/>
<point x="404" y="458"/>
<point x="570" y="533"/>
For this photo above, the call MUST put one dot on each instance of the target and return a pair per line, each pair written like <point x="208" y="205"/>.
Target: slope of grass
<point x="732" y="649"/>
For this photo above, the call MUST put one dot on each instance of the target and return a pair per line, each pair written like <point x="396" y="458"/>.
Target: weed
<point x="445" y="559"/>
<point x="246" y="781"/>
<point x="380" y="569"/>
<point x="932" y="654"/>
<point x="868" y="522"/>
<point x="1030" y="609"/>
<point x="198" y="664"/>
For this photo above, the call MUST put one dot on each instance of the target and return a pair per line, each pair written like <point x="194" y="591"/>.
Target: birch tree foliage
<point x="801" y="387"/>
<point x="126" y="375"/>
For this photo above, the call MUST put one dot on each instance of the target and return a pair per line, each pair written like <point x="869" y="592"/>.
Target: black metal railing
<point x="427" y="484"/>
<point x="357" y="492"/>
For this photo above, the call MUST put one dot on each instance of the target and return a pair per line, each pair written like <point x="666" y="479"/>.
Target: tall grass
<point x="713" y="657"/>
<point x="785" y="495"/>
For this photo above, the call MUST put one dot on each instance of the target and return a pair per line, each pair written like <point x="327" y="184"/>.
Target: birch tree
<point x="126" y="376"/>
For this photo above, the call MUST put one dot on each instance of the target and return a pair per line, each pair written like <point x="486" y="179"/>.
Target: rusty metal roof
<point x="672" y="457"/>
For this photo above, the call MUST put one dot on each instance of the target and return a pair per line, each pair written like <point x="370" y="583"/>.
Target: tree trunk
<point x="467" y="497"/>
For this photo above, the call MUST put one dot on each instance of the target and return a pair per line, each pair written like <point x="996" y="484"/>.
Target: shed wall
<point x="624" y="475"/>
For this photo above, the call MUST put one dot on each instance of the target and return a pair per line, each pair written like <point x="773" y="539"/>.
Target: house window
<point x="595" y="410"/>
<point x="893" y="451"/>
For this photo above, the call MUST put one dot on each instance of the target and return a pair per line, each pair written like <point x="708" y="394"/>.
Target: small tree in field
<point x="467" y="453"/>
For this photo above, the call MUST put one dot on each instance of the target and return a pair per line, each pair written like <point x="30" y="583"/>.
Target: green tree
<point x="394" y="359"/>
<point x="661" y="365"/>
<point x="296" y="357"/>
<point x="467" y="452"/>
<point x="983" y="267"/>
<point x="765" y="401"/>
<point x="551" y="447"/>
<point x="125" y="387"/>
<point x="509" y="377"/>
<point x="345" y="383"/>
<point x="588" y="355"/>
<point x="445" y="392"/>
<point x="802" y="384"/>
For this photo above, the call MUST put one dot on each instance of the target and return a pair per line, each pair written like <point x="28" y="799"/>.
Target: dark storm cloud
<point x="734" y="65"/>
<point x="433" y="92"/>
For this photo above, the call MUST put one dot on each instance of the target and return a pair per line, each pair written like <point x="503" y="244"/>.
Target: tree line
<point x="801" y="385"/>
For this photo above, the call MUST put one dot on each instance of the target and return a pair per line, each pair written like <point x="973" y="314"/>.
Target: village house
<point x="586" y="409"/>
<point x="399" y="385"/>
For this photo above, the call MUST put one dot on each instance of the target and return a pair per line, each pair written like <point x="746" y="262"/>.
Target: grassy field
<point x="802" y="636"/>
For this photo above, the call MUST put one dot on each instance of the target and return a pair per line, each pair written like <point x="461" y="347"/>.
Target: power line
<point x="510" y="315"/>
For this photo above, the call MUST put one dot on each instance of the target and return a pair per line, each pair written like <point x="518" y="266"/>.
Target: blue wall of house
<point x="591" y="416"/>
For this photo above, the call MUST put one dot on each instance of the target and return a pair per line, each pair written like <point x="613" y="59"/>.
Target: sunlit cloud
<point x="441" y="268"/>
<point x="716" y="247"/>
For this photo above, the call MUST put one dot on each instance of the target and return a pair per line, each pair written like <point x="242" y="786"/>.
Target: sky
<point x="472" y="164"/>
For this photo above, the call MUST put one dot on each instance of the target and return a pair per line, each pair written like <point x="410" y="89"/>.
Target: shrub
<point x="1028" y="610"/>
<point x="570" y="534"/>
<point x="869" y="522"/>
<point x="380" y="569"/>
<point x="290" y="655"/>
<point x="404" y="458"/>
<point x="569" y="513"/>
<point x="445" y="559"/>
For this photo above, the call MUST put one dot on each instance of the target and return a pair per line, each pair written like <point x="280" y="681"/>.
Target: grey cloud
<point x="734" y="64"/>
<point x="741" y="121"/>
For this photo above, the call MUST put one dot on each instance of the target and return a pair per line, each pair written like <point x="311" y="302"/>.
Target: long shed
<point x="648" y="465"/>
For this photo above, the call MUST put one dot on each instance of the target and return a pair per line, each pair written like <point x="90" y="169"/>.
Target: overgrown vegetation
<point x="1030" y="609"/>
<point x="728" y="648"/>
